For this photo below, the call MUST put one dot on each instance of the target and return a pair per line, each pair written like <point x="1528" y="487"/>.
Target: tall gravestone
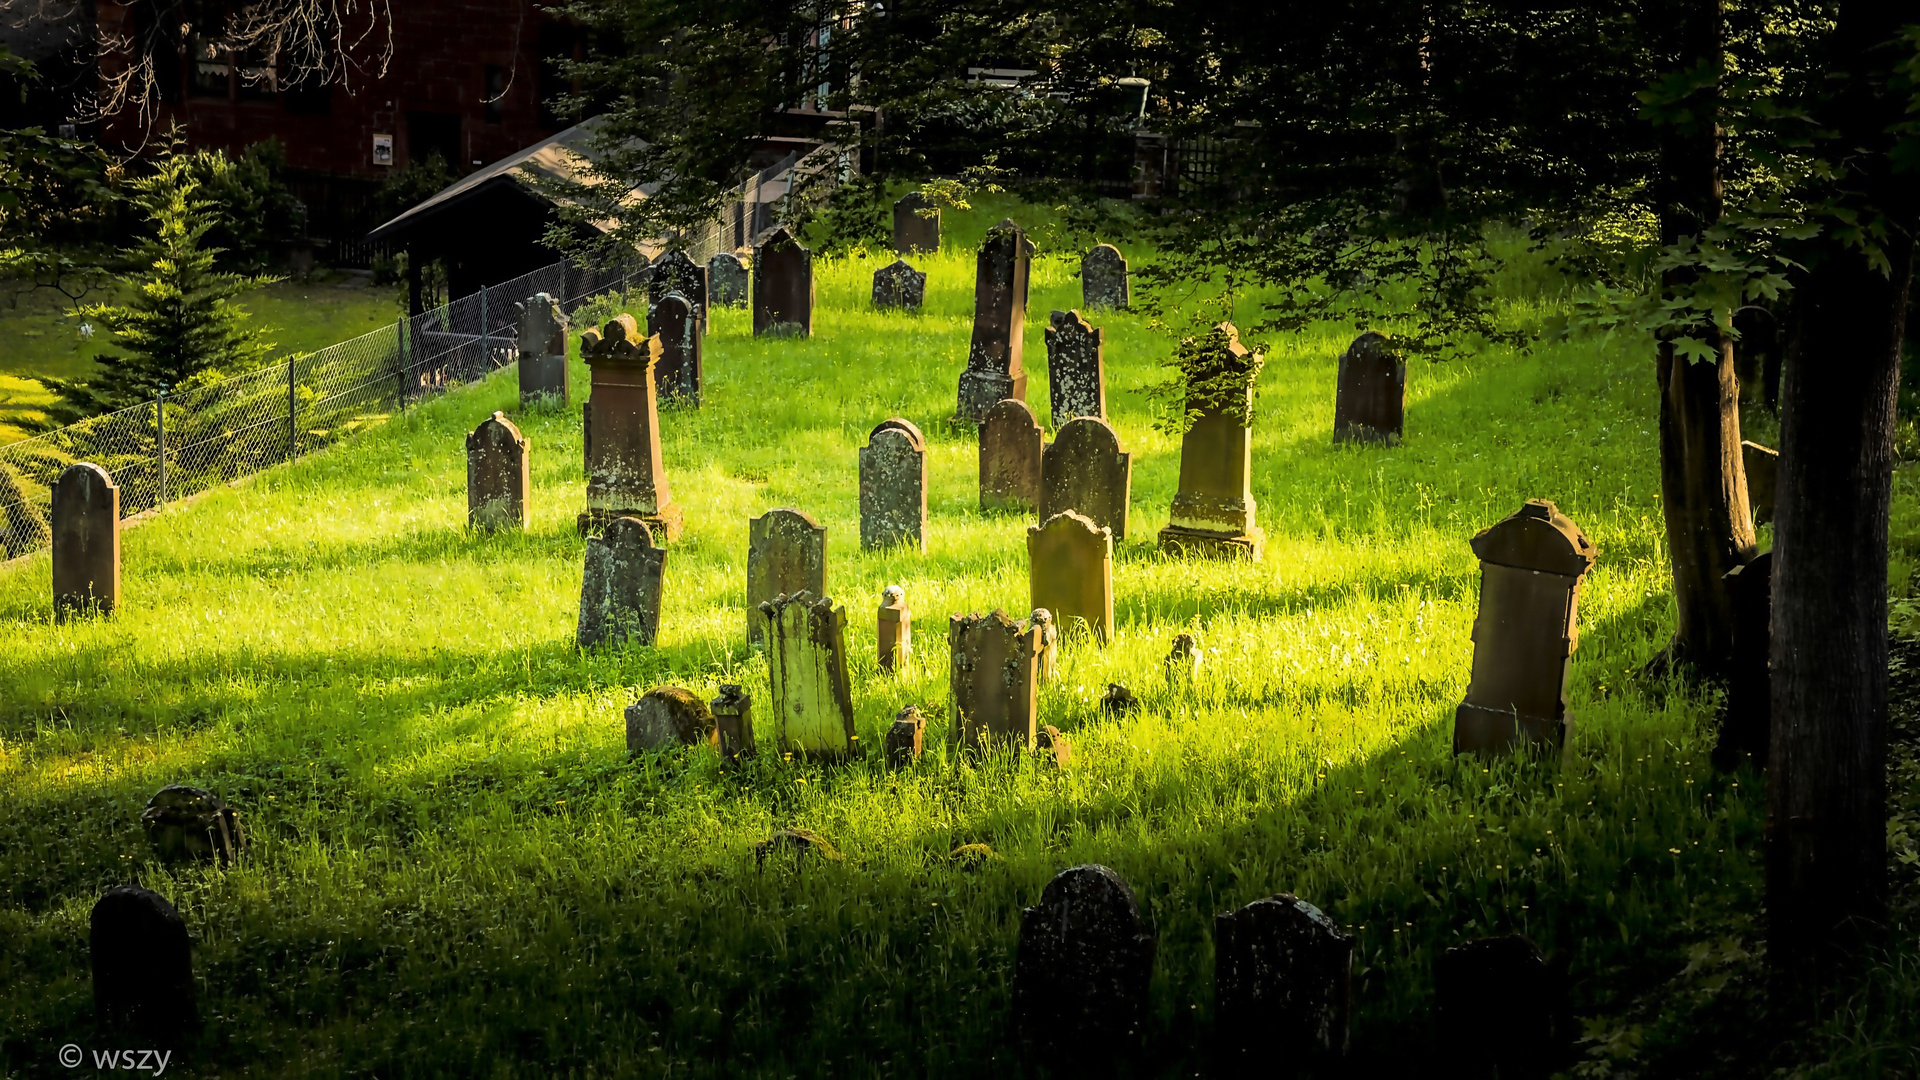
<point x="668" y="716"/>
<point x="625" y="474"/>
<point x="1076" y="368"/>
<point x="995" y="369"/>
<point x="1282" y="988"/>
<point x="916" y="224"/>
<point x="782" y="286"/>
<point x="899" y="285"/>
<point x="1370" y="394"/>
<point x="994" y="679"/>
<point x="1103" y="279"/>
<point x="142" y="963"/>
<point x="786" y="554"/>
<point x="726" y="280"/>
<point x="1500" y="1010"/>
<point x="1213" y="513"/>
<point x="894" y="629"/>
<point x="1532" y="564"/>
<point x="1085" y="470"/>
<point x="678" y="374"/>
<point x="86" y="542"/>
<point x="543" y="351"/>
<point x="807" y="668"/>
<point x="1011" y="442"/>
<point x="1070" y="573"/>
<point x="1082" y="972"/>
<point x="676" y="272"/>
<point x="499" y="476"/>
<point x="1762" y="466"/>
<point x="733" y="717"/>
<point x="1747" y="728"/>
<point x="893" y="487"/>
<point x="620" y="590"/>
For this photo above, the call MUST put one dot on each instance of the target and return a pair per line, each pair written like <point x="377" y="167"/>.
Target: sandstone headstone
<point x="916" y="224"/>
<point x="1282" y="987"/>
<point x="499" y="476"/>
<point x="1501" y="1010"/>
<point x="895" y="629"/>
<point x="1531" y="567"/>
<point x="899" y="285"/>
<point x="1183" y="663"/>
<point x="142" y="963"/>
<point x="678" y="374"/>
<point x="1370" y="395"/>
<point x="1213" y="513"/>
<point x="1103" y="279"/>
<point x="905" y="737"/>
<point x="807" y="667"/>
<point x="1070" y="572"/>
<point x="1084" y="470"/>
<point x="543" y="351"/>
<point x="893" y="487"/>
<point x="1011" y="442"/>
<point x="1046" y="638"/>
<point x="1747" y="728"/>
<point x="995" y="369"/>
<point x="669" y="716"/>
<point x="726" y="280"/>
<point x="625" y="474"/>
<point x="994" y="679"/>
<point x="1076" y="368"/>
<point x="786" y="554"/>
<point x="1763" y="471"/>
<point x="1049" y="742"/>
<point x="782" y="286"/>
<point x="620" y="591"/>
<point x="192" y="824"/>
<point x="1081" y="975"/>
<point x="86" y="542"/>
<point x="676" y="272"/>
<point x="733" y="717"/>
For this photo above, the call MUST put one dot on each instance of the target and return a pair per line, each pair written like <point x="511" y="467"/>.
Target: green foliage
<point x="59" y="199"/>
<point x="853" y="217"/>
<point x="412" y="184"/>
<point x="1213" y="374"/>
<point x="255" y="213"/>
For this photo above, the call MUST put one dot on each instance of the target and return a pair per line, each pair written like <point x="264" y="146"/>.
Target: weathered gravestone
<point x="1070" y="573"/>
<point x="1531" y="567"/>
<point x="676" y="272"/>
<point x="1046" y="638"/>
<point x="1500" y="1010"/>
<point x="1011" y="442"/>
<point x="893" y="487"/>
<point x="733" y="718"/>
<point x="1084" y="470"/>
<point x="1370" y="394"/>
<point x="142" y="963"/>
<point x="1076" y="369"/>
<point x="905" y="737"/>
<point x="86" y="542"/>
<point x="678" y="374"/>
<point x="543" y="351"/>
<point x="625" y="475"/>
<point x="1103" y="279"/>
<point x="807" y="667"/>
<point x="1282" y="988"/>
<point x="786" y="554"/>
<point x="916" y="224"/>
<point x="1049" y="743"/>
<point x="995" y="369"/>
<point x="1747" y="727"/>
<point x="1213" y="513"/>
<point x="1762" y="466"/>
<point x="994" y="679"/>
<point x="499" y="476"/>
<point x="895" y="629"/>
<point x="782" y="286"/>
<point x="726" y="280"/>
<point x="620" y="591"/>
<point x="1081" y="975"/>
<point x="192" y="824"/>
<point x="669" y="716"/>
<point x="1183" y="662"/>
<point x="899" y="285"/>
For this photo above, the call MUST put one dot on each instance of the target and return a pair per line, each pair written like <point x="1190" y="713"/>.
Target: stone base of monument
<point x="1493" y="732"/>
<point x="980" y="391"/>
<point x="665" y="525"/>
<point x="1175" y="540"/>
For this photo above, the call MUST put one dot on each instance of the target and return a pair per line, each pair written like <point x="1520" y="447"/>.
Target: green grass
<point x="457" y="871"/>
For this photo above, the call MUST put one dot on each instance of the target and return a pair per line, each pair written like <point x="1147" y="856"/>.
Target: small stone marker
<point x="1118" y="700"/>
<point x="625" y="474"/>
<point x="1282" y="986"/>
<point x="1531" y="567"/>
<point x="905" y="737"/>
<point x="1050" y="742"/>
<point x="1762" y="467"/>
<point x="1011" y="442"/>
<point x="1070" y="572"/>
<point x="1370" y="395"/>
<point x="86" y="542"/>
<point x="733" y="720"/>
<point x="1501" y="1010"/>
<point x="786" y="554"/>
<point x="1047" y="639"/>
<point x="782" y="286"/>
<point x="620" y="591"/>
<point x="807" y="666"/>
<point x="1213" y="514"/>
<point x="192" y="824"/>
<point x="802" y="842"/>
<point x="994" y="679"/>
<point x="676" y="272"/>
<point x="543" y="351"/>
<point x="726" y="280"/>
<point x="669" y="716"/>
<point x="1076" y="368"/>
<point x="895" y="629"/>
<point x="893" y="487"/>
<point x="1747" y="728"/>
<point x="995" y="370"/>
<point x="678" y="374"/>
<point x="1084" y="470"/>
<point x="899" y="285"/>
<point x="142" y="964"/>
<point x="1080" y="978"/>
<point x="1103" y="279"/>
<point x="499" y="476"/>
<point x="916" y="224"/>
<point x="1183" y="663"/>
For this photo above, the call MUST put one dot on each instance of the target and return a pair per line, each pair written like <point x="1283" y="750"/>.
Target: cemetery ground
<point x="455" y="869"/>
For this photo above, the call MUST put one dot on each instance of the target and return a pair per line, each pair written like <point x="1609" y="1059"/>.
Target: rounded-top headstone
<point x="1103" y="278"/>
<point x="1081" y="976"/>
<point x="668" y="716"/>
<point x="895" y="423"/>
<point x="190" y="823"/>
<point x="142" y="964"/>
<point x="85" y="527"/>
<point x="1536" y="537"/>
<point x="1282" y="983"/>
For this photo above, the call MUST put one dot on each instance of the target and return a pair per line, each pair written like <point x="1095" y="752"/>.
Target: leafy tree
<point x="256" y="212"/>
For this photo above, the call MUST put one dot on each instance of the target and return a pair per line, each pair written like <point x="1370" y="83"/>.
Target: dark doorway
<point x="434" y="133"/>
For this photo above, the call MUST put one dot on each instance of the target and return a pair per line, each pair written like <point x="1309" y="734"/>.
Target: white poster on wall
<point x="383" y="149"/>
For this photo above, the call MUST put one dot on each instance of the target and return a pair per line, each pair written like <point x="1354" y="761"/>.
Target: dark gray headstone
<point x="1370" y="395"/>
<point x="905" y="737"/>
<point x="1081" y="977"/>
<point x="543" y="351"/>
<point x="899" y="285"/>
<point x="142" y="965"/>
<point x="1076" y="369"/>
<point x="782" y="286"/>
<point x="916" y="224"/>
<point x="1085" y="470"/>
<point x="86" y="542"/>
<point x="677" y="373"/>
<point x="726" y="280"/>
<point x="620" y="591"/>
<point x="995" y="368"/>
<point x="1282" y="986"/>
<point x="733" y="717"/>
<point x="1501" y="1010"/>
<point x="192" y="824"/>
<point x="893" y="487"/>
<point x="1103" y="279"/>
<point x="676" y="272"/>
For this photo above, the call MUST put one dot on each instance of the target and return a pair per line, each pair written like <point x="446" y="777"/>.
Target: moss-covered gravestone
<point x="782" y="286"/>
<point x="1081" y="976"/>
<point x="190" y="824"/>
<point x="86" y="542"/>
<point x="1011" y="442"/>
<point x="993" y="678"/>
<point x="893" y="487"/>
<point x="676" y="272"/>
<point x="1076" y="368"/>
<point x="1070" y="573"/>
<point x="733" y="717"/>
<point x="1370" y="393"/>
<point x="668" y="716"/>
<point x="807" y="667"/>
<point x="1213" y="513"/>
<point x="543" y="351"/>
<point x="499" y="476"/>
<point x="995" y="369"/>
<point x="625" y="474"/>
<point x="726" y="280"/>
<point x="620" y="590"/>
<point x="1282" y="987"/>
<point x="142" y="963"/>
<point x="786" y="554"/>
<point x="899" y="285"/>
<point x="1103" y="279"/>
<point x="1084" y="470"/>
<point x="672" y="321"/>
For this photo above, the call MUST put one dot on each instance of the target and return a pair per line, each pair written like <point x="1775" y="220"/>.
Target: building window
<point x="212" y="67"/>
<point x="495" y="98"/>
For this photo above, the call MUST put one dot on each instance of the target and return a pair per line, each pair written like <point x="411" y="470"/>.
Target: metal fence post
<point x="293" y="414"/>
<point x="160" y="429"/>
<point x="400" y="361"/>
<point x="486" y="333"/>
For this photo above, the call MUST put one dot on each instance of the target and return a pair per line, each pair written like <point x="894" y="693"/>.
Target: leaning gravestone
<point x="916" y="224"/>
<point x="1081" y="975"/>
<point x="893" y="487"/>
<point x="678" y="374"/>
<point x="668" y="716"/>
<point x="807" y="667"/>
<point x="676" y="272"/>
<point x="733" y="717"/>
<point x="1762" y="466"/>
<point x="499" y="476"/>
<point x="1085" y="470"/>
<point x="1748" y="726"/>
<point x="1103" y="279"/>
<point x="899" y="285"/>
<point x="86" y="542"/>
<point x="1070" y="573"/>
<point x="625" y="475"/>
<point x="1076" y="369"/>
<point x="1370" y="395"/>
<point x="192" y="824"/>
<point x="726" y="280"/>
<point x="994" y="679"/>
<point x="895" y="629"/>
<point x="1213" y="513"/>
<point x="995" y="370"/>
<point x="1531" y="567"/>
<point x="620" y="591"/>
<point x="1282" y="986"/>
<point x="142" y="964"/>
<point x="1500" y="1010"/>
<point x="543" y="351"/>
<point x="1011" y="442"/>
<point x="786" y="553"/>
<point x="782" y="286"/>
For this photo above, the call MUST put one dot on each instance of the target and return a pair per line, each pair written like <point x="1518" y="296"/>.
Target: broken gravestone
<point x="786" y="554"/>
<point x="726" y="280"/>
<point x="142" y="963"/>
<point x="1076" y="368"/>
<point x="192" y="824"/>
<point x="893" y="487"/>
<point x="671" y="321"/>
<point x="543" y="352"/>
<point x="995" y="370"/>
<point x="895" y="629"/>
<point x="1762" y="466"/>
<point x="499" y="477"/>
<point x="899" y="285"/>
<point x="1501" y="1010"/>
<point x="733" y="720"/>
<point x="1081" y="975"/>
<point x="1103" y="279"/>
<point x="1747" y="728"/>
<point x="625" y="474"/>
<point x="807" y="667"/>
<point x="1084" y="470"/>
<point x="1213" y="513"/>
<point x="668" y="716"/>
<point x="916" y="224"/>
<point x="620" y="591"/>
<point x="1370" y="394"/>
<point x="1070" y="573"/>
<point x="993" y="679"/>
<point x="782" y="286"/>
<point x="1282" y="987"/>
<point x="86" y="542"/>
<point x="676" y="272"/>
<point x="905" y="737"/>
<point x="1011" y="442"/>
